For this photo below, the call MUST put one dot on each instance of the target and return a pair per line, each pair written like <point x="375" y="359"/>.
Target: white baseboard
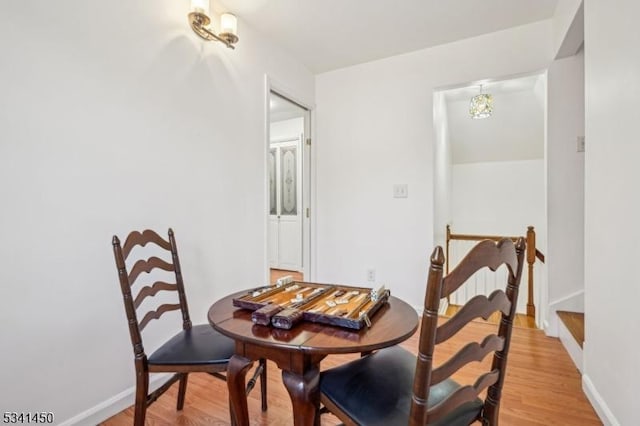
<point x="601" y="407"/>
<point x="113" y="405"/>
<point x="570" y="344"/>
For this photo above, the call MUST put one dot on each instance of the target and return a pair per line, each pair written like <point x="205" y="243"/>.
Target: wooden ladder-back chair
<point x="394" y="387"/>
<point x="196" y="348"/>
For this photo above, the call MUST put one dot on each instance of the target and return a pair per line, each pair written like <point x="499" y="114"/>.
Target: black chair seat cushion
<point x="377" y="389"/>
<point x="199" y="345"/>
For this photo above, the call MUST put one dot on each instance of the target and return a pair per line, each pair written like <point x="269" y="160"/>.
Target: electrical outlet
<point x="400" y="190"/>
<point x="371" y="275"/>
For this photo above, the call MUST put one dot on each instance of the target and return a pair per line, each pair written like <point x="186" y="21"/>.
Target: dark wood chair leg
<point x="263" y="384"/>
<point x="491" y="407"/>
<point x="142" y="389"/>
<point x="182" y="390"/>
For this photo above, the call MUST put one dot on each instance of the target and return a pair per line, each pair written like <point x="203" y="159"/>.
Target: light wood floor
<point x="574" y="321"/>
<point x="542" y="387"/>
<point x="277" y="273"/>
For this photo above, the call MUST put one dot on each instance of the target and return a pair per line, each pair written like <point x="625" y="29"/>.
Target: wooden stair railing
<point x="531" y="255"/>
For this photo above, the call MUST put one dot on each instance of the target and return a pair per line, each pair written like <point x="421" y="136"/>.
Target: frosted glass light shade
<point x="228" y="24"/>
<point x="481" y="106"/>
<point x="200" y="6"/>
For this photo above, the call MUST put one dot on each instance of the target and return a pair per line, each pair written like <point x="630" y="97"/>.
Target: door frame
<point x="308" y="178"/>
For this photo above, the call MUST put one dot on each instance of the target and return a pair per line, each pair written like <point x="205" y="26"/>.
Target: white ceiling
<point x="515" y="130"/>
<point x="495" y="87"/>
<point x="331" y="34"/>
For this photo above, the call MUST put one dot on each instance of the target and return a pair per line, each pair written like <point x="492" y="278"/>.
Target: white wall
<point x="498" y="198"/>
<point x="375" y="128"/>
<point x="515" y="130"/>
<point x="287" y="129"/>
<point x="441" y="170"/>
<point x="565" y="187"/>
<point x="114" y="116"/>
<point x="612" y="209"/>
<point x="562" y="22"/>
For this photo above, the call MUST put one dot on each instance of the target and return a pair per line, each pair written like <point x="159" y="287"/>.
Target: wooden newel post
<point x="531" y="259"/>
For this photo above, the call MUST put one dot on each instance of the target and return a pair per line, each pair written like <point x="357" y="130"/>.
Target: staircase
<point x="571" y="334"/>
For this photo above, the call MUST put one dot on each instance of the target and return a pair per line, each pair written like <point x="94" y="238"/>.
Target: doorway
<point x="288" y="187"/>
<point x="490" y="176"/>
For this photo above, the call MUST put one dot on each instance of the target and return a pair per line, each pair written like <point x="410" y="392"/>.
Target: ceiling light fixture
<point x="481" y="105"/>
<point x="199" y="20"/>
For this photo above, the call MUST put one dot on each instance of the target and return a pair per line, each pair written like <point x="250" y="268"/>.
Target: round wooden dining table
<point x="298" y="352"/>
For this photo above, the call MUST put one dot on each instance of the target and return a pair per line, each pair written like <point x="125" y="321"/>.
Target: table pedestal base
<point x="303" y="390"/>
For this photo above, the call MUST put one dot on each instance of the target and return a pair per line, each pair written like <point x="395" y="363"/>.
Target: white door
<point x="285" y="215"/>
